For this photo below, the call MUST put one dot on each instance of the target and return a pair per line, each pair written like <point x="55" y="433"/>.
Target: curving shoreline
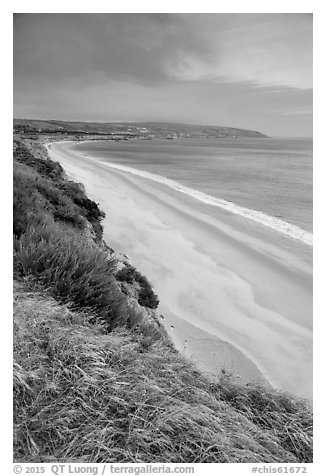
<point x="235" y="282"/>
<point x="259" y="217"/>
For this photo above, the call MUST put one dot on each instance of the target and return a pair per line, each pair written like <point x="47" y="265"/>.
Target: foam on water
<point x="274" y="223"/>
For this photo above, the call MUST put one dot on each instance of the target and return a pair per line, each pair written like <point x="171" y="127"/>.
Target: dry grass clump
<point x="74" y="269"/>
<point x="86" y="396"/>
<point x="283" y="414"/>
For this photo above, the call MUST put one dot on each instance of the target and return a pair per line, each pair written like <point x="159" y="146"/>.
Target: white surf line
<point x="274" y="223"/>
<point x="269" y="221"/>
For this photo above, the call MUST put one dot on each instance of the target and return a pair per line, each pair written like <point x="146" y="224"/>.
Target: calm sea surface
<point x="273" y="176"/>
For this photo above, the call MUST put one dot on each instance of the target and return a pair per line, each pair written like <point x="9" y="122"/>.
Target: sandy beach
<point x="235" y="295"/>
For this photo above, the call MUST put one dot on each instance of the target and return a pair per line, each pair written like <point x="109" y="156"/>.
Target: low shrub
<point x="89" y="209"/>
<point x="74" y="191"/>
<point x="44" y="166"/>
<point x="126" y="274"/>
<point x="146" y="295"/>
<point x="62" y="207"/>
<point x="34" y="196"/>
<point x="65" y="200"/>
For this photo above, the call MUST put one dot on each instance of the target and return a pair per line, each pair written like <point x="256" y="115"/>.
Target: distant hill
<point x="168" y="130"/>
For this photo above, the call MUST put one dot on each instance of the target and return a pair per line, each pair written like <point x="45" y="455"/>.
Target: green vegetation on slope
<point x="95" y="377"/>
<point x="85" y="395"/>
<point x="75" y="270"/>
<point x="40" y="190"/>
<point x="145" y="295"/>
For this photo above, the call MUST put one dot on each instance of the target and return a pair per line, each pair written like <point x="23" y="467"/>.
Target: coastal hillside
<point x="146" y="130"/>
<point x="96" y="378"/>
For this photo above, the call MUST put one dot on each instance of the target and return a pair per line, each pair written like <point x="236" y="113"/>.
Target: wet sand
<point x="235" y="294"/>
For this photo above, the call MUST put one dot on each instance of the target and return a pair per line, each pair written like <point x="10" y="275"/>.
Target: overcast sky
<point x="243" y="70"/>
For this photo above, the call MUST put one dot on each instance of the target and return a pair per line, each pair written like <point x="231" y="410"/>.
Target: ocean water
<point x="265" y="180"/>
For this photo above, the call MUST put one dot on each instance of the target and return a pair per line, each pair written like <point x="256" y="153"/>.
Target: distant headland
<point x="130" y="130"/>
